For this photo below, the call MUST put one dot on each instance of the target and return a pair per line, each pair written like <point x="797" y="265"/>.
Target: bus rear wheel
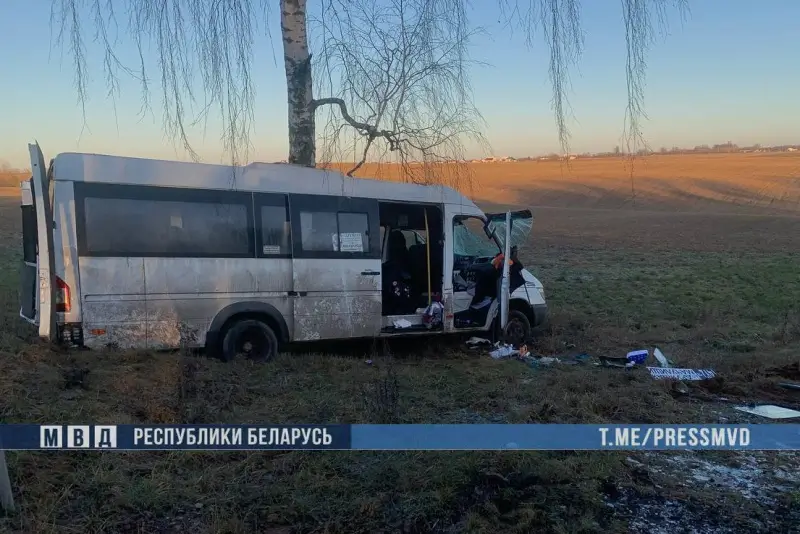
<point x="251" y="339"/>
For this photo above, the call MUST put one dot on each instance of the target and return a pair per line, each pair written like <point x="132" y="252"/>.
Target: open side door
<point x="45" y="260"/>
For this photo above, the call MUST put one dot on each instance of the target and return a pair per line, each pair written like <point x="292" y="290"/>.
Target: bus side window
<point x="276" y="231"/>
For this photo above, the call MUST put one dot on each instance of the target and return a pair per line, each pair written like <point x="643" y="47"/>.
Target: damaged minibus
<point x="137" y="253"/>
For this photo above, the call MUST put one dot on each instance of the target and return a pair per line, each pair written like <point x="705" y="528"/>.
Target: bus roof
<point x="256" y="177"/>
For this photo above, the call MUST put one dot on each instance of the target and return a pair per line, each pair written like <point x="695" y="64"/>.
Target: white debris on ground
<point x="753" y="478"/>
<point x="671" y="516"/>
<point x="758" y="477"/>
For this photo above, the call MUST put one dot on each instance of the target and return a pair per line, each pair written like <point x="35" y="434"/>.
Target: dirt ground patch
<point x="713" y="289"/>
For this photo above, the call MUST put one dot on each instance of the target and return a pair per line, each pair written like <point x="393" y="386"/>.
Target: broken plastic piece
<point x="637" y="356"/>
<point x="770" y="411"/>
<point x="502" y="352"/>
<point x="662" y="360"/>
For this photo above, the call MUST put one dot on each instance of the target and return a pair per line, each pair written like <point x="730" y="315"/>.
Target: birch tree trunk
<point x="6" y="495"/>
<point x="297" y="61"/>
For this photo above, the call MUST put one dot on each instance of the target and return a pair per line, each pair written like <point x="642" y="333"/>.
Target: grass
<point x="705" y="306"/>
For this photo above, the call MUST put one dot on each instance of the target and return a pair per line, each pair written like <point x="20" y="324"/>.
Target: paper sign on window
<point x="271" y="249"/>
<point x="351" y="242"/>
<point x="176" y="221"/>
<point x="335" y="240"/>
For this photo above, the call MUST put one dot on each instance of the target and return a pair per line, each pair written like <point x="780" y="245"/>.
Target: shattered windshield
<point x="470" y="239"/>
<point x="521" y="224"/>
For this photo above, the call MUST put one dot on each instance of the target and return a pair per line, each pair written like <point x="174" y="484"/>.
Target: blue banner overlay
<point x="550" y="437"/>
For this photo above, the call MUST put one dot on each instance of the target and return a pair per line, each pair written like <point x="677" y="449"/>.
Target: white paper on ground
<point x="770" y="411"/>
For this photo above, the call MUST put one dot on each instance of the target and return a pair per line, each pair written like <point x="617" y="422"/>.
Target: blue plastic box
<point x="638" y="356"/>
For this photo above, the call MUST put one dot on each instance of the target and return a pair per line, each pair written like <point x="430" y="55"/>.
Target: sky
<point x="729" y="71"/>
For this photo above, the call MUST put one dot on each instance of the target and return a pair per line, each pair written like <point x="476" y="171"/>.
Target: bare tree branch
<point x="399" y="70"/>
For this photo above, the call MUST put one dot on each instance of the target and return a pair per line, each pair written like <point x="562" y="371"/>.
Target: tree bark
<point x="6" y="495"/>
<point x="297" y="61"/>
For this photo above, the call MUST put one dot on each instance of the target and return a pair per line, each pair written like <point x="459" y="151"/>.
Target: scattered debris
<point x="680" y="387"/>
<point x="662" y="360"/>
<point x="660" y="373"/>
<point x="576" y="360"/>
<point x="786" y="385"/>
<point x="433" y="314"/>
<point x="637" y="356"/>
<point x="402" y="323"/>
<point x="475" y="341"/>
<point x="770" y="411"/>
<point x="503" y="351"/>
<point x="621" y="363"/>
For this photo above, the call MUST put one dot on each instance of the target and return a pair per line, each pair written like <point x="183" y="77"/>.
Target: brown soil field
<point x="762" y="183"/>
<point x="689" y="202"/>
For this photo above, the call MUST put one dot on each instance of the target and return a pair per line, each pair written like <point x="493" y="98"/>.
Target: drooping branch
<point x="211" y="37"/>
<point x="396" y="71"/>
<point x="642" y="18"/>
<point x="559" y="22"/>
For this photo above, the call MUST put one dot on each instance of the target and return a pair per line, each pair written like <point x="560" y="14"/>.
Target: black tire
<point x="518" y="329"/>
<point x="251" y="338"/>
